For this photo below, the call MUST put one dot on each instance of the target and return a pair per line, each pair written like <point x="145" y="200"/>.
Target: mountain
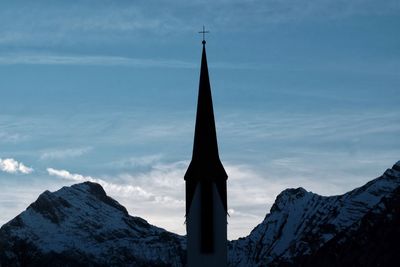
<point x="359" y="228"/>
<point x="81" y="226"/>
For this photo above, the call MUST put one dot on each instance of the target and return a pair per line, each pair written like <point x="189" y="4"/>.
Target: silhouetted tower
<point x="206" y="198"/>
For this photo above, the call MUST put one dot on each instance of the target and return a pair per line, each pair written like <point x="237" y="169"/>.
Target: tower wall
<point x="195" y="256"/>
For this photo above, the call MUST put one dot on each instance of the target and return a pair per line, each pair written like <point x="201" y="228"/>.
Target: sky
<point x="306" y="94"/>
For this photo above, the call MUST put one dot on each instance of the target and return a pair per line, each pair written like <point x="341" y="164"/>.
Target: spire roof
<point x="205" y="137"/>
<point x="205" y="170"/>
<point x="205" y="159"/>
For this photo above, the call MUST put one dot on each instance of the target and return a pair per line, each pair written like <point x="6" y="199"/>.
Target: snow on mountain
<point x="372" y="241"/>
<point x="301" y="222"/>
<point x="81" y="224"/>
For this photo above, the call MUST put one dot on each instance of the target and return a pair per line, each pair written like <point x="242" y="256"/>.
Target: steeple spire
<point x="205" y="174"/>
<point x="205" y="147"/>
<point x="205" y="164"/>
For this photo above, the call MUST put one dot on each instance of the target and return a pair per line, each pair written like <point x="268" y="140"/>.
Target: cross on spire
<point x="204" y="35"/>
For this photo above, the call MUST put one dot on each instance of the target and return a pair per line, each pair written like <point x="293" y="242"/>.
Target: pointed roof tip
<point x="205" y="158"/>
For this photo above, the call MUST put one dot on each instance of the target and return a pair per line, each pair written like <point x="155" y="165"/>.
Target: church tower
<point x="206" y="198"/>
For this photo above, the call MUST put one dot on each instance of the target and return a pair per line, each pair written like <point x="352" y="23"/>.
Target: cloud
<point x="65" y="153"/>
<point x="135" y="162"/>
<point x="44" y="59"/>
<point x="6" y="137"/>
<point x="115" y="188"/>
<point x="158" y="194"/>
<point x="251" y="193"/>
<point x="292" y="150"/>
<point x="104" y="60"/>
<point x="126" y="21"/>
<point x="10" y="165"/>
<point x="136" y="192"/>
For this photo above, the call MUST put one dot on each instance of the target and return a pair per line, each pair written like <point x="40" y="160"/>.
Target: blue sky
<point x="306" y="93"/>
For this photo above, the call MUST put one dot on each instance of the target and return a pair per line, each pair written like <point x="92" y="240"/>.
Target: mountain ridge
<point x="300" y="222"/>
<point x="81" y="226"/>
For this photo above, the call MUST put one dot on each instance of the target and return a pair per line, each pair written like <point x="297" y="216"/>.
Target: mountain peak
<point x="301" y="222"/>
<point x="97" y="191"/>
<point x="289" y="197"/>
<point x="54" y="206"/>
<point x="294" y="193"/>
<point x="90" y="187"/>
<point x="81" y="223"/>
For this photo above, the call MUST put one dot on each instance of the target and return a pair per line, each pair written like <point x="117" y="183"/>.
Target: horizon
<point x="305" y="95"/>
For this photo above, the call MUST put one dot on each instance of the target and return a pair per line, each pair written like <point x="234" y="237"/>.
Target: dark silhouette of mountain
<point x="359" y="228"/>
<point x="375" y="242"/>
<point x="81" y="226"/>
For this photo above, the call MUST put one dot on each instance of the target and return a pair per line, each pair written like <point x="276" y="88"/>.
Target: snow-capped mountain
<point x="81" y="226"/>
<point x="301" y="224"/>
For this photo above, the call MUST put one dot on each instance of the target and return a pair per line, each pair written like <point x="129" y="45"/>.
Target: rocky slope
<point x="374" y="241"/>
<point x="81" y="226"/>
<point x="303" y="228"/>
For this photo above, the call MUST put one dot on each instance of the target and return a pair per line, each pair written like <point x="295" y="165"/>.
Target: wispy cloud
<point x="115" y="188"/>
<point x="85" y="60"/>
<point x="322" y="127"/>
<point x="64" y="153"/>
<point x="136" y="192"/>
<point x="10" y="165"/>
<point x="6" y="137"/>
<point x="126" y="20"/>
<point x="91" y="60"/>
<point x="133" y="162"/>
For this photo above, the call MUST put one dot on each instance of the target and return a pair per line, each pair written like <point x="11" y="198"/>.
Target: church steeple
<point x="205" y="163"/>
<point x="206" y="197"/>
